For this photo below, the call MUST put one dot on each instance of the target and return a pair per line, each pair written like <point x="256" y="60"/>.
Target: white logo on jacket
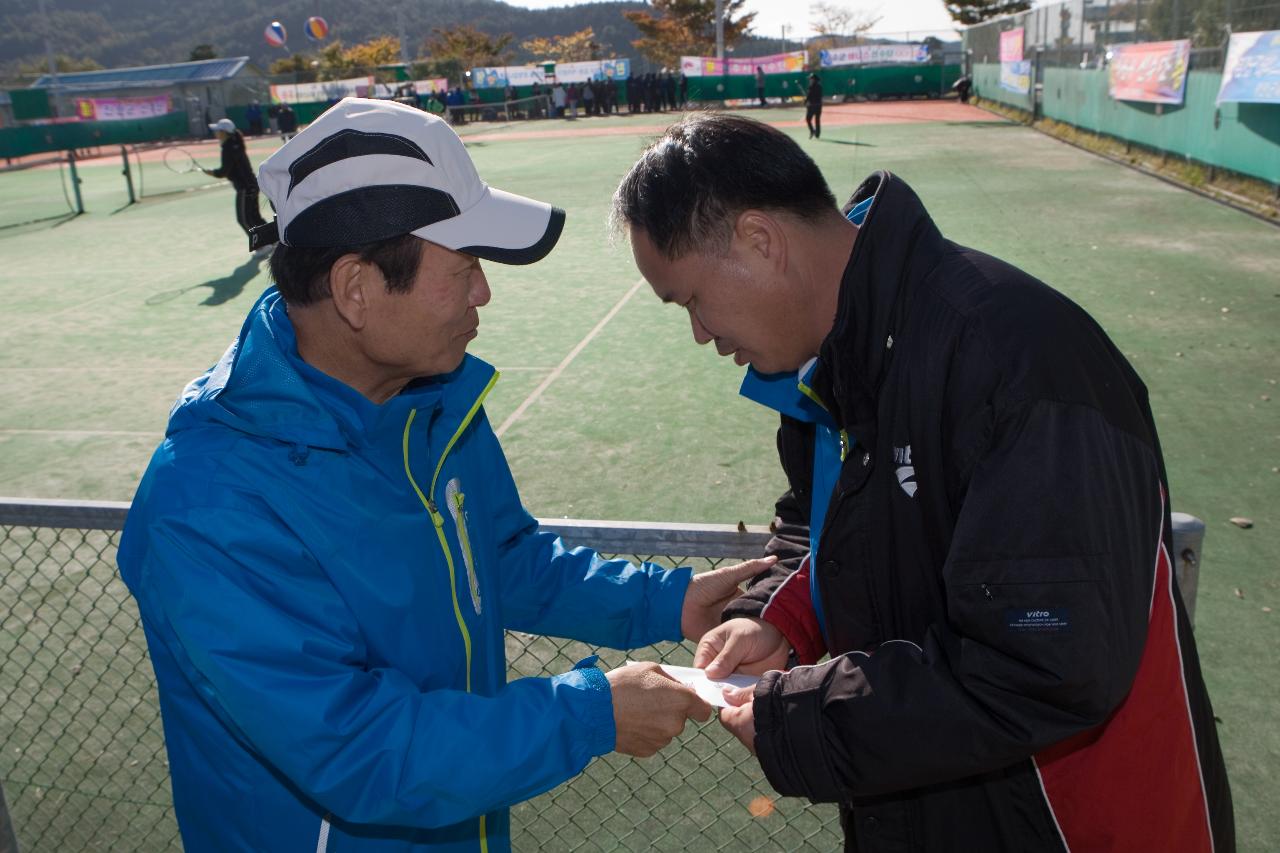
<point x="906" y="472"/>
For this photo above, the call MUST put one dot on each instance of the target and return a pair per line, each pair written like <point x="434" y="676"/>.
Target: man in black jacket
<point x="977" y="529"/>
<point x="237" y="169"/>
<point x="813" y="107"/>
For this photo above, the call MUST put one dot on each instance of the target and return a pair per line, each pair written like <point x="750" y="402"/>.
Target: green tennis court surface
<point x="608" y="409"/>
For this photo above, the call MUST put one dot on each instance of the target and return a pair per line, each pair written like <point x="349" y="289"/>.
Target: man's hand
<point x="745" y="645"/>
<point x="710" y="592"/>
<point x="740" y="717"/>
<point x="650" y="707"/>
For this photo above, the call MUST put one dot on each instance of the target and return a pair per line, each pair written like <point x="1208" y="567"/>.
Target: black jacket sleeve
<point x="1048" y="583"/>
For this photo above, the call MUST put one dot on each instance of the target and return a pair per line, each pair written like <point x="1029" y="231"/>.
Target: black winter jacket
<point x="235" y="165"/>
<point x="1011" y="665"/>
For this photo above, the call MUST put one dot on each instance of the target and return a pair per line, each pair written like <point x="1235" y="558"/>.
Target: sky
<point x="927" y="17"/>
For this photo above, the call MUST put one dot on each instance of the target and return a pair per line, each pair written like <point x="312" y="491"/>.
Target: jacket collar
<point x="896" y="245"/>
<point x="257" y="387"/>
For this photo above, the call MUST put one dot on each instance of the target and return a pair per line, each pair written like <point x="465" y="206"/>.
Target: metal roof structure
<point x="147" y="76"/>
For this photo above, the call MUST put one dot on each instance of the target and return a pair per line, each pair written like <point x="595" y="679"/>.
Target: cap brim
<point x="501" y="227"/>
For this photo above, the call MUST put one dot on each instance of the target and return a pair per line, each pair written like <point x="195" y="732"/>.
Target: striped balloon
<point x="317" y="28"/>
<point x="275" y="34"/>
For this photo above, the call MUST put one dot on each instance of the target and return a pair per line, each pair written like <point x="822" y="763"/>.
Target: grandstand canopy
<point x="148" y="76"/>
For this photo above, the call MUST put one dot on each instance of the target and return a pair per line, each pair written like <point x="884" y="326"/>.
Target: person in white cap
<point x="328" y="545"/>
<point x="236" y="168"/>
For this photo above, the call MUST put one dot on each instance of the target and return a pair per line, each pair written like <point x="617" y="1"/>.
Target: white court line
<point x="568" y="359"/>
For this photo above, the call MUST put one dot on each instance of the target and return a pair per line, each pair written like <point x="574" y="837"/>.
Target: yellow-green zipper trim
<point x="437" y="521"/>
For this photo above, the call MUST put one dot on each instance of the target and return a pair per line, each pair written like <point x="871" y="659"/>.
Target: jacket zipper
<point x="437" y="521"/>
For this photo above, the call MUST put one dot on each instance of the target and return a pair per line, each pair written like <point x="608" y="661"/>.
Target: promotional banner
<point x="1154" y="72"/>
<point x="599" y="69"/>
<point x="1015" y="72"/>
<point x="435" y="84"/>
<point x="866" y="54"/>
<point x="526" y="75"/>
<point x="1252" y="70"/>
<point x="329" y="90"/>
<point x="489" y="78"/>
<point x="121" y="109"/>
<point x="777" y="63"/>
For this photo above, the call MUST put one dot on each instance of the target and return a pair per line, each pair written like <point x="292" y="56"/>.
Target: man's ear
<point x="350" y="281"/>
<point x="762" y="237"/>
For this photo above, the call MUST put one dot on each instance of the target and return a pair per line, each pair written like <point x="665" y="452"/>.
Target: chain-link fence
<point x="1078" y="33"/>
<point x="82" y="755"/>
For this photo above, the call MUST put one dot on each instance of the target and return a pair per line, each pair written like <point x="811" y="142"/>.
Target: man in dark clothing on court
<point x="977" y="529"/>
<point x="813" y="107"/>
<point x="236" y="168"/>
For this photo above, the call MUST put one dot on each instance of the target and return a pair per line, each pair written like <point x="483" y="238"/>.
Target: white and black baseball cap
<point x="370" y="170"/>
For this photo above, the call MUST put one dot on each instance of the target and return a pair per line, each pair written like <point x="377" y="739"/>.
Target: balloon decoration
<point x="316" y="28"/>
<point x="275" y="34"/>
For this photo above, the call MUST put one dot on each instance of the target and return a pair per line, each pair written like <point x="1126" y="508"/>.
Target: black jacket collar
<point x="897" y="245"/>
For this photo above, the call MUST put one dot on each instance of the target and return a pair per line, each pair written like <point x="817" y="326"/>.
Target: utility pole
<point x="719" y="29"/>
<point x="53" y="65"/>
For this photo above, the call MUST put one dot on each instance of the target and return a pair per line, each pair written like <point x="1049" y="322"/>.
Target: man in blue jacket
<point x="328" y="545"/>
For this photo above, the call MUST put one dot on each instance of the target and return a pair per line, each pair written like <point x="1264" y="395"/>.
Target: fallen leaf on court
<point x="1177" y="355"/>
<point x="1239" y="594"/>
<point x="742" y="528"/>
<point x="1242" y="522"/>
<point x="761" y="807"/>
<point x="1266" y="396"/>
<point x="1266" y="610"/>
<point x="1226" y="310"/>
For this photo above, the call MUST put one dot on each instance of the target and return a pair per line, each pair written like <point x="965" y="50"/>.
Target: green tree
<point x="302" y="67"/>
<point x="686" y="28"/>
<point x="203" y="51"/>
<point x="463" y="47"/>
<point x="976" y="11"/>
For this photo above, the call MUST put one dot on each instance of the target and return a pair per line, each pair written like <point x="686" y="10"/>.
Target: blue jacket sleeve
<point x="268" y="643"/>
<point x="550" y="589"/>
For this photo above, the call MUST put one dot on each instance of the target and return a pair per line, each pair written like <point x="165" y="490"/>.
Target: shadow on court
<point x="224" y="289"/>
<point x="848" y="142"/>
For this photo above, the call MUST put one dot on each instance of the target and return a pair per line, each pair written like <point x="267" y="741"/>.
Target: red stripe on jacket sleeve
<point x="790" y="610"/>
<point x="1134" y="783"/>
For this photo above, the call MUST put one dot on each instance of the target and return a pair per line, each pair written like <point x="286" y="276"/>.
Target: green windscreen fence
<point x="30" y="104"/>
<point x="30" y="139"/>
<point x="870" y="82"/>
<point x="1244" y="138"/>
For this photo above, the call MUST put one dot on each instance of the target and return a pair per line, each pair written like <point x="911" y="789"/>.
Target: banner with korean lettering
<point x="599" y="69"/>
<point x="868" y="54"/>
<point x="1154" y="72"/>
<point x="329" y="90"/>
<point x="776" y="63"/>
<point x="1252" y="70"/>
<point x="1015" y="72"/>
<point x="121" y="109"/>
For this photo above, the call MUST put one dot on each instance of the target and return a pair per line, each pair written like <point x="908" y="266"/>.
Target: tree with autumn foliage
<point x="468" y="47"/>
<point x="687" y="28"/>
<point x="575" y="47"/>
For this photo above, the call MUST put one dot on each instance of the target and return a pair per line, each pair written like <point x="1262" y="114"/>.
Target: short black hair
<point x="689" y="186"/>
<point x="302" y="275"/>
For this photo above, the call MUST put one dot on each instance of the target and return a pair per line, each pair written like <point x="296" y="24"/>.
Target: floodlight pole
<point x="53" y="65"/>
<point x="719" y="29"/>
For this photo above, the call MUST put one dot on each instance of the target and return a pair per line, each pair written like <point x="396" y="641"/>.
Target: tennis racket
<point x="180" y="161"/>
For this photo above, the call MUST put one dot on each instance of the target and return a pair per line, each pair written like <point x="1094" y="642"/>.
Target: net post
<point x="75" y="180"/>
<point x="128" y="174"/>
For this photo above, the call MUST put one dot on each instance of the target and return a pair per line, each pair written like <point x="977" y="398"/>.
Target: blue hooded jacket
<point x="324" y="584"/>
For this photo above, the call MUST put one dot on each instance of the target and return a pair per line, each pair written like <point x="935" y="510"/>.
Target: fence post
<point x="75" y="179"/>
<point x="1188" y="545"/>
<point x="128" y="174"/>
